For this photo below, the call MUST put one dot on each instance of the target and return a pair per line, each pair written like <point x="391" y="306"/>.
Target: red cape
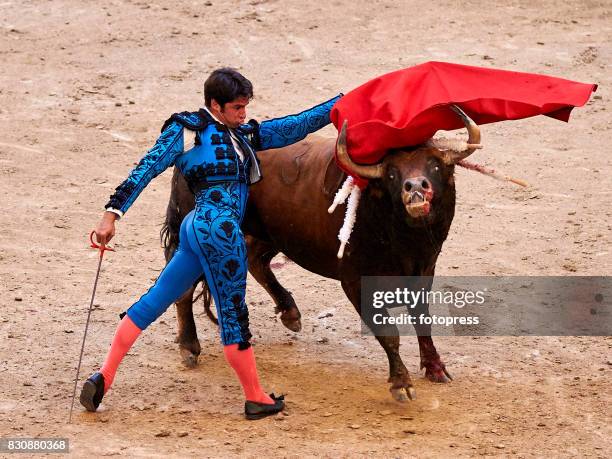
<point x="408" y="106"/>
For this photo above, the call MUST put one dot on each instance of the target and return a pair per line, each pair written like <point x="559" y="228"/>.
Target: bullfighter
<point x="215" y="151"/>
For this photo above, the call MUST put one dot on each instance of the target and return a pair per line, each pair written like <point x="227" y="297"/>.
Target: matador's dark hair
<point x="226" y="84"/>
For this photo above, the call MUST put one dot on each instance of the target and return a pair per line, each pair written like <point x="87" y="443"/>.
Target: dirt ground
<point x="84" y="89"/>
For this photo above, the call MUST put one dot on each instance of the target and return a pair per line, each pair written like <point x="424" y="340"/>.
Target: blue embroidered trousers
<point x="210" y="243"/>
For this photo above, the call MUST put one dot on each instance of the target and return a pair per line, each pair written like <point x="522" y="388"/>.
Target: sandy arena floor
<point x="84" y="89"/>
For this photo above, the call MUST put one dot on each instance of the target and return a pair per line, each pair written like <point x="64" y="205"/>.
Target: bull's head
<point x="416" y="178"/>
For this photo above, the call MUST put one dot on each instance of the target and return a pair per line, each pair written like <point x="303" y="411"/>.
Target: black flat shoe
<point x="92" y="392"/>
<point x="254" y="410"/>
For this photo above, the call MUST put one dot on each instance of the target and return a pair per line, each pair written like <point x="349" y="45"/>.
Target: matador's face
<point x="233" y="113"/>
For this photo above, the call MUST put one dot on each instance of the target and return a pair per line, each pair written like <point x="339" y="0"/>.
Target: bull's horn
<point x="370" y="171"/>
<point x="473" y="142"/>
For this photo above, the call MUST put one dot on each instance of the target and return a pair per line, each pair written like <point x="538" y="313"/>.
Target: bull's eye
<point x="391" y="176"/>
<point x="437" y="168"/>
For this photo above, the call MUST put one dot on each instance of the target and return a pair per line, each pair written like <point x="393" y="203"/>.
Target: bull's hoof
<point x="438" y="375"/>
<point x="190" y="359"/>
<point x="295" y="325"/>
<point x="402" y="388"/>
<point x="435" y="370"/>
<point x="291" y="319"/>
<point x="402" y="394"/>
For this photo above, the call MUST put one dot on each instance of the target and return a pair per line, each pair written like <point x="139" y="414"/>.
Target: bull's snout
<point x="421" y="184"/>
<point x="417" y="194"/>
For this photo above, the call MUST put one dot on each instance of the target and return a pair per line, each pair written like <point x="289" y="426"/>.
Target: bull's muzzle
<point x="417" y="193"/>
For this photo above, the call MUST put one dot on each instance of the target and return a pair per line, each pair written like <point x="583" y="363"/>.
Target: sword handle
<point x="95" y="245"/>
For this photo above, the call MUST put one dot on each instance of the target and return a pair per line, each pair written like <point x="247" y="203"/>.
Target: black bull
<point x="287" y="212"/>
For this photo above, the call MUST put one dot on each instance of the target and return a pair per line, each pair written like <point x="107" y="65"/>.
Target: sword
<point x="102" y="249"/>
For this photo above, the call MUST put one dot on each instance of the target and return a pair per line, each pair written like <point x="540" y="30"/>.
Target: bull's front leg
<point x="187" y="336"/>
<point x="401" y="384"/>
<point x="435" y="370"/>
<point x="401" y="388"/>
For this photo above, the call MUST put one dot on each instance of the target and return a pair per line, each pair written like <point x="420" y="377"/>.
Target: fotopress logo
<point x="480" y="306"/>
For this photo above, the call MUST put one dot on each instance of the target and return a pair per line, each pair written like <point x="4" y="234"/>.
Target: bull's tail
<point x="207" y="299"/>
<point x="169" y="233"/>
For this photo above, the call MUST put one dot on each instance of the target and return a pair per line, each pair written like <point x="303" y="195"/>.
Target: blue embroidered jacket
<point x="213" y="157"/>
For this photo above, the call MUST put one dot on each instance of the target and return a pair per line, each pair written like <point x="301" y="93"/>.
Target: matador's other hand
<point x="106" y="228"/>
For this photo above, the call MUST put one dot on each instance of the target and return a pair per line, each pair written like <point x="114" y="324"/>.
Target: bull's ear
<point x="447" y="151"/>
<point x="444" y="155"/>
<point x="454" y="156"/>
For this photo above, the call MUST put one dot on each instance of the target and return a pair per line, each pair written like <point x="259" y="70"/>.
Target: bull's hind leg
<point x="187" y="336"/>
<point x="401" y="384"/>
<point x="260" y="254"/>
